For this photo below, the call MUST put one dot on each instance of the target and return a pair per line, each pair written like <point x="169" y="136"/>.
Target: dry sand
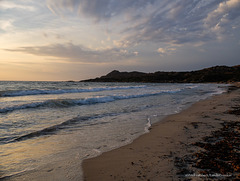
<point x="153" y="156"/>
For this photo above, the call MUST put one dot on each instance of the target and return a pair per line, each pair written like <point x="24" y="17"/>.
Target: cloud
<point x="165" y="21"/>
<point x="161" y="50"/>
<point x="11" y="5"/>
<point x="177" y="22"/>
<point x="77" y="53"/>
<point x="6" y="25"/>
<point x="166" y="50"/>
<point x="130" y="25"/>
<point x="219" y="18"/>
<point x="98" y="10"/>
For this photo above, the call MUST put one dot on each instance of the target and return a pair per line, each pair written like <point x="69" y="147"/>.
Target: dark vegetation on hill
<point x="222" y="74"/>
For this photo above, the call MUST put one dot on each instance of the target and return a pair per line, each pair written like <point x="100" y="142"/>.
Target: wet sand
<point x="171" y="150"/>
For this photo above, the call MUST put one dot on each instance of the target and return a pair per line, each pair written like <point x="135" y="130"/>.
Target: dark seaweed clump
<point x="219" y="156"/>
<point x="221" y="153"/>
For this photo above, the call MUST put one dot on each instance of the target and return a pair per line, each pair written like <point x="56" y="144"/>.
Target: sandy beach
<point x="171" y="150"/>
<point x="200" y="142"/>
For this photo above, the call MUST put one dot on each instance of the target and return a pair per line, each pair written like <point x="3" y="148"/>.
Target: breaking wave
<point x="55" y="103"/>
<point x="63" y="91"/>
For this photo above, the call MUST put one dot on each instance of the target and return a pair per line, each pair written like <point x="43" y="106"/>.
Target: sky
<point x="58" y="40"/>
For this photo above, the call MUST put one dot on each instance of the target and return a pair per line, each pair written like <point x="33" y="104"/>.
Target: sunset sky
<point x="80" y="39"/>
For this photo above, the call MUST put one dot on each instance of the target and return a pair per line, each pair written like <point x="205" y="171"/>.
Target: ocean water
<point x="43" y="123"/>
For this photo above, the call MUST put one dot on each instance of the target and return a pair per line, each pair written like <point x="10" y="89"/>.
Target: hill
<point x="223" y="74"/>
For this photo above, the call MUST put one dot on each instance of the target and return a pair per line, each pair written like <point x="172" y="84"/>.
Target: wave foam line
<point x="55" y="128"/>
<point x="86" y="101"/>
<point x="24" y="106"/>
<point x="63" y="91"/>
<point x="148" y="125"/>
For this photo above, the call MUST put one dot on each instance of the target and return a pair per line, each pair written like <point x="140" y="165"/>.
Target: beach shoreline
<point x="156" y="155"/>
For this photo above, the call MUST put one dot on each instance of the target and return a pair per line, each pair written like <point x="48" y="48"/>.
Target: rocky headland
<point x="220" y="74"/>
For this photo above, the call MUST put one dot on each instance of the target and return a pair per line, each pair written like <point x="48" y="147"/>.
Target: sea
<point x="43" y="123"/>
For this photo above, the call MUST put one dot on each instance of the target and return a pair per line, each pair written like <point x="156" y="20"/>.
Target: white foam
<point x="97" y="151"/>
<point x="147" y="126"/>
<point x="85" y="101"/>
<point x="24" y="106"/>
<point x="64" y="91"/>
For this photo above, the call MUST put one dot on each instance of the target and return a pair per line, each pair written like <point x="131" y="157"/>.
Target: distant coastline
<point x="218" y="74"/>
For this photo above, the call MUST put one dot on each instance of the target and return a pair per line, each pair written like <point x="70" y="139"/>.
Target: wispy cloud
<point x="11" y="5"/>
<point x="166" y="25"/>
<point x="220" y="17"/>
<point x="166" y="50"/>
<point x="6" y="25"/>
<point x="77" y="53"/>
<point x="166" y="21"/>
<point x="98" y="10"/>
